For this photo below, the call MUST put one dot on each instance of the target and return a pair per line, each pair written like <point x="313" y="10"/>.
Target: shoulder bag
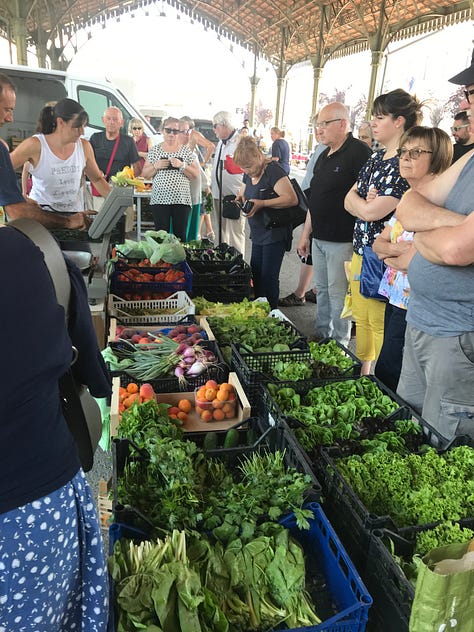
<point x="81" y="411"/>
<point x="371" y="274"/>
<point x="94" y="191"/>
<point x="292" y="216"/>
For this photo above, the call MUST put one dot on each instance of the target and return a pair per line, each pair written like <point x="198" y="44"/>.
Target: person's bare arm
<point x="450" y="245"/>
<point x="384" y="248"/>
<point x="27" y="151"/>
<point x="417" y="213"/>
<point x="402" y="261"/>
<point x="93" y="172"/>
<point x="80" y="221"/>
<point x="370" y="210"/>
<point x="25" y="174"/>
<point x="304" y="245"/>
<point x="205" y="143"/>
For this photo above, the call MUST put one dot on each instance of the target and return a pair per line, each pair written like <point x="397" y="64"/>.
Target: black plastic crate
<point x="218" y="372"/>
<point x="131" y="287"/>
<point x="268" y="439"/>
<point x="254" y="368"/>
<point x="230" y="294"/>
<point x="392" y="591"/>
<point x="206" y="259"/>
<point x="351" y="518"/>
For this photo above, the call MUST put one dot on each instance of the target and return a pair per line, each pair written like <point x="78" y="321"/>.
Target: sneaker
<point x="291" y="300"/>
<point x="310" y="296"/>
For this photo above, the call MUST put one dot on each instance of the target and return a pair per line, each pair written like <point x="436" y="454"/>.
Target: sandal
<point x="291" y="300"/>
<point x="310" y="296"/>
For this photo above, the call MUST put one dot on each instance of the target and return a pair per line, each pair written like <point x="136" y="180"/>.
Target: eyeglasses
<point x="413" y="153"/>
<point x="170" y="130"/>
<point x="468" y="93"/>
<point x="456" y="128"/>
<point x="185" y="131"/>
<point x="137" y="128"/>
<point x="214" y="125"/>
<point x="324" y="124"/>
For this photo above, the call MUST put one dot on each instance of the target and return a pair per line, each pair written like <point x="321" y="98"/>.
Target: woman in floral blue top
<point x="371" y="201"/>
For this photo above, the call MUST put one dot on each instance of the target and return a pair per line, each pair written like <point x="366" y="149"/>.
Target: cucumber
<point x="231" y="438"/>
<point x="251" y="436"/>
<point x="210" y="441"/>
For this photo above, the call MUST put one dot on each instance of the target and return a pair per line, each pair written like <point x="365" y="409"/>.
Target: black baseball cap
<point x="466" y="77"/>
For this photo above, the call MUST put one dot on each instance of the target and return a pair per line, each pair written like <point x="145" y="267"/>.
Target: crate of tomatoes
<point x="143" y="281"/>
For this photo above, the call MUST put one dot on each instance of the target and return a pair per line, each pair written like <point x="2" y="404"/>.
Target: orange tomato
<point x="181" y="415"/>
<point x="132" y="387"/>
<point x="206" y="415"/>
<point x="218" y="415"/>
<point x="210" y="394"/>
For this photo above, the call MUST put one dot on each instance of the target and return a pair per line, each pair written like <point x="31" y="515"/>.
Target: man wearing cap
<point x="437" y="377"/>
<point x="462" y="134"/>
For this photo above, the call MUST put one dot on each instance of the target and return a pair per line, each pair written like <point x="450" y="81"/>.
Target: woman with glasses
<point x="372" y="201"/>
<point x="171" y="165"/>
<point x="424" y="153"/>
<point x="142" y="142"/>
<point x="264" y="185"/>
<point x="59" y="157"/>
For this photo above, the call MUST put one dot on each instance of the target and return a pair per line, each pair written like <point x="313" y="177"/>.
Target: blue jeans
<point x="331" y="287"/>
<point x="265" y="262"/>
<point x="389" y="362"/>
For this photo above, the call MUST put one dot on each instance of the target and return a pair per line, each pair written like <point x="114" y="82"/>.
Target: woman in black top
<point x="264" y="185"/>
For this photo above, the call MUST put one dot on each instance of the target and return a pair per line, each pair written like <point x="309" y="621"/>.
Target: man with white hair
<point x="227" y="180"/>
<point x="437" y="377"/>
<point x="113" y="151"/>
<point x="334" y="174"/>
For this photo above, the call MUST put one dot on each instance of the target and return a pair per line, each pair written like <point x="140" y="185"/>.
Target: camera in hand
<point x="246" y="207"/>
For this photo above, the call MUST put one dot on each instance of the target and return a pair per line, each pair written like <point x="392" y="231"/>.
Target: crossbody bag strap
<point x="53" y="257"/>
<point x="112" y="156"/>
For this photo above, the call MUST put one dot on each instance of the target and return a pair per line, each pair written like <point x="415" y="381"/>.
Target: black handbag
<point x="371" y="274"/>
<point x="81" y="411"/>
<point x="230" y="210"/>
<point x="292" y="216"/>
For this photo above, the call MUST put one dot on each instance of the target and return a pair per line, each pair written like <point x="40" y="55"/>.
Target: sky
<point x="171" y="64"/>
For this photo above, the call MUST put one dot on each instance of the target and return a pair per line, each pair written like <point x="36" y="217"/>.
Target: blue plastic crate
<point x="148" y="288"/>
<point x="343" y="587"/>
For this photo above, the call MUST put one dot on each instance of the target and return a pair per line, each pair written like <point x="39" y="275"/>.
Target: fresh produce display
<point x="339" y="411"/>
<point x="215" y="402"/>
<point x="135" y="393"/>
<point x="163" y="357"/>
<point x="259" y="585"/>
<point x="200" y="256"/>
<point x="332" y="354"/>
<point x="244" y="310"/>
<point x="177" y="487"/>
<point x="157" y="245"/>
<point x="414" y="489"/>
<point x="187" y="334"/>
<point x="126" y="178"/>
<point x="256" y="334"/>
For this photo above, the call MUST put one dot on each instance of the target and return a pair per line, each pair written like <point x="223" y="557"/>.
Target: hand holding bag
<point x="292" y="216"/>
<point x="371" y="274"/>
<point x="230" y="210"/>
<point x="80" y="409"/>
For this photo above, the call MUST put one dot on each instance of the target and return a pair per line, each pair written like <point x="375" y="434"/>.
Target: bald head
<point x="333" y="124"/>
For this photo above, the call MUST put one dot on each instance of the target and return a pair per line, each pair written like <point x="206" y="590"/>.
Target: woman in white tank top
<point x="59" y="157"/>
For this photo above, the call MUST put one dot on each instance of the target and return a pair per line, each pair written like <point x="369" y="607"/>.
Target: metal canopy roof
<point x="283" y="31"/>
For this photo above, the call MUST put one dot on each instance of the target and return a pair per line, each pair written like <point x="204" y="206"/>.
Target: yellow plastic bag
<point x="347" y="309"/>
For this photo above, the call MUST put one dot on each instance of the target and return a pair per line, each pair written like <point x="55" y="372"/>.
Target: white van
<point x="35" y="87"/>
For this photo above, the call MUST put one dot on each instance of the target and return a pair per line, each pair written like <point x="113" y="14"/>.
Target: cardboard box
<point x="194" y="422"/>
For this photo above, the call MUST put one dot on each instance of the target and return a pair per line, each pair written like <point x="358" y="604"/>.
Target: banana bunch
<point x="126" y="178"/>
